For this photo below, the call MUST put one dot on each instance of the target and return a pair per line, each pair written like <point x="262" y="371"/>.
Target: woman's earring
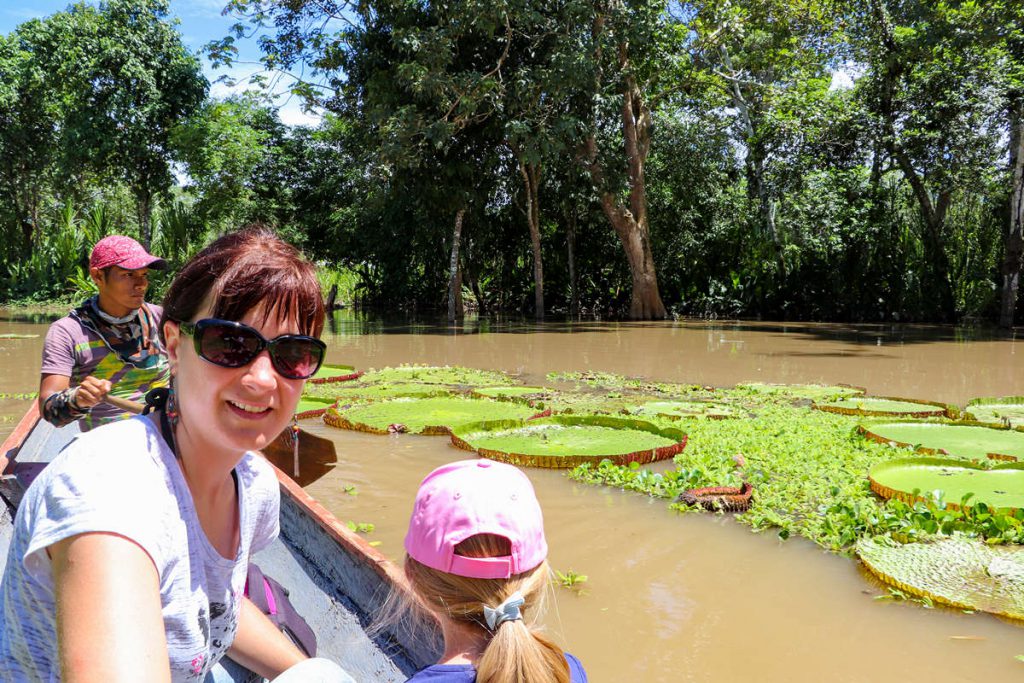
<point x="295" y="446"/>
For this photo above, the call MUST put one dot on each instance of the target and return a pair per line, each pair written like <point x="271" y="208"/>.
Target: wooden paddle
<point x="124" y="404"/>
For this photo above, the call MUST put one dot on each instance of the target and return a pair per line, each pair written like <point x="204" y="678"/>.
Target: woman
<point x="130" y="550"/>
<point x="477" y="559"/>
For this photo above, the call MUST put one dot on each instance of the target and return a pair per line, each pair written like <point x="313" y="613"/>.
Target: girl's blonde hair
<point x="516" y="652"/>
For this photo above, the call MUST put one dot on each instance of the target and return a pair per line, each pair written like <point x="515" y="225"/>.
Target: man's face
<point x="121" y="291"/>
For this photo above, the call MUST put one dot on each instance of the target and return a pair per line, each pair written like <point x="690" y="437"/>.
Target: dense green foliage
<point x="817" y="159"/>
<point x="809" y="472"/>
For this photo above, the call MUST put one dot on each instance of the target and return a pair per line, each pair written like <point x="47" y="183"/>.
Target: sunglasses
<point x="231" y="345"/>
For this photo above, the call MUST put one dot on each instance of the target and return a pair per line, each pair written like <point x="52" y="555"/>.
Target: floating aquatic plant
<point x="335" y="373"/>
<point x="513" y="393"/>
<point x="675" y="410"/>
<point x="814" y="392"/>
<point x="428" y="374"/>
<point x="566" y="440"/>
<point x="1001" y="486"/>
<point x="957" y="572"/>
<point x="311" y="407"/>
<point x="377" y="390"/>
<point x="959" y="439"/>
<point x="432" y="415"/>
<point x="1007" y="410"/>
<point x="884" y="406"/>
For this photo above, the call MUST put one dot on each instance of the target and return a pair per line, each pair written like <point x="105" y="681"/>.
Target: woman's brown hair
<point x="516" y="652"/>
<point x="243" y="270"/>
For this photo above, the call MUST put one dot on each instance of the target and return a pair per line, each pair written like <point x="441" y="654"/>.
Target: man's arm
<point x="60" y="404"/>
<point x="109" y="621"/>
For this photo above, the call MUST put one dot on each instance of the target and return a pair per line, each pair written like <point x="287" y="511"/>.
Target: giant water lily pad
<point x="432" y="374"/>
<point x="312" y="407"/>
<point x="814" y="392"/>
<point x="335" y="373"/>
<point x="609" y="380"/>
<point x="513" y="393"/>
<point x="879" y="405"/>
<point x="431" y="415"/>
<point x="961" y="573"/>
<point x="968" y="441"/>
<point x="998" y="487"/>
<point x="567" y="441"/>
<point x="1008" y="410"/>
<point x="675" y="410"/>
<point x="349" y="392"/>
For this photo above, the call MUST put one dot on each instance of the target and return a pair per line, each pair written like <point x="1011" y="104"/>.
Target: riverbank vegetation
<point x="820" y="159"/>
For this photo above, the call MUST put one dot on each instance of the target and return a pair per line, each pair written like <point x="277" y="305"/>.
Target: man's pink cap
<point x="122" y="251"/>
<point x="470" y="497"/>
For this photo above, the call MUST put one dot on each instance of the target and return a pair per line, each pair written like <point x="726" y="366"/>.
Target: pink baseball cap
<point x="122" y="251"/>
<point x="470" y="497"/>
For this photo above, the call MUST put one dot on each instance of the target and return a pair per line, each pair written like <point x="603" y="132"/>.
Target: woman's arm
<point x="260" y="646"/>
<point x="109" y="622"/>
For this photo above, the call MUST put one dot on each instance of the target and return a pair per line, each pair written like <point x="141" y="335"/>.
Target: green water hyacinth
<point x="809" y="469"/>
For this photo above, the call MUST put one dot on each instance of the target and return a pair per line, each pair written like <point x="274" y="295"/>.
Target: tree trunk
<point x="630" y="223"/>
<point x="645" y="302"/>
<point x="1013" y="249"/>
<point x="454" y="279"/>
<point x="574" y="288"/>
<point x="144" y="211"/>
<point x="531" y="182"/>
<point x="934" y="214"/>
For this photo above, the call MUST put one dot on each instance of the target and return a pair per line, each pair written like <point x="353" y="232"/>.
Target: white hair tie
<point x="506" y="611"/>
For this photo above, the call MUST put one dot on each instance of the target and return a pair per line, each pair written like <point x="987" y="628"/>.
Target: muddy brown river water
<point x="676" y="597"/>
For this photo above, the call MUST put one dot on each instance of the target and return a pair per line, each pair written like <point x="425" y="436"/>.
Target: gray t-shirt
<point x="121" y="478"/>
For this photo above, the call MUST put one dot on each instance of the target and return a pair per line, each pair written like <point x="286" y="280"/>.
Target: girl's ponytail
<point x="517" y="654"/>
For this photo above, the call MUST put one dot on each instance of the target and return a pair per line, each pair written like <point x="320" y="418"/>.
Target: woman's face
<point x="232" y="409"/>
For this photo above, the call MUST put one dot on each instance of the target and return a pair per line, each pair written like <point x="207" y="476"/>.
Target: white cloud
<point x="292" y="115"/>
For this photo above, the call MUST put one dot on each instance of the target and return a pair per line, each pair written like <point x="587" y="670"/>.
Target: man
<point x="109" y="345"/>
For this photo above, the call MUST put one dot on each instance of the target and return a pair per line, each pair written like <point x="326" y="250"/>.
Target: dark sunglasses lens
<point x="297" y="358"/>
<point x="228" y="346"/>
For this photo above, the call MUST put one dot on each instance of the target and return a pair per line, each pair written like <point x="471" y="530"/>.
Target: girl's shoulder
<point x="465" y="673"/>
<point x="576" y="671"/>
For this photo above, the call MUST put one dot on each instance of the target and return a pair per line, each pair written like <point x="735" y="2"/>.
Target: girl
<point x="476" y="558"/>
<point x="130" y="549"/>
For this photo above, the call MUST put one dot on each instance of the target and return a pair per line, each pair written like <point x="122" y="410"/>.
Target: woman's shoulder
<point x="257" y="475"/>
<point x="132" y="444"/>
<point x="254" y="469"/>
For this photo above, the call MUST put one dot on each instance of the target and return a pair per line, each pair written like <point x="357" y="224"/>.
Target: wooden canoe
<point x="337" y="581"/>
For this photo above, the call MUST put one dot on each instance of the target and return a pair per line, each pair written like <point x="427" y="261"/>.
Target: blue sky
<point x="201" y="22"/>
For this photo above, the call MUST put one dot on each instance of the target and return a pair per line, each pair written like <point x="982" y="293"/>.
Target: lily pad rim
<point x="567" y="461"/>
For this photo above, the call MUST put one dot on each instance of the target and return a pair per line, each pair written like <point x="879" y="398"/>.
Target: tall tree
<point x="771" y="60"/>
<point x="931" y="90"/>
<point x="128" y="80"/>
<point x="632" y="48"/>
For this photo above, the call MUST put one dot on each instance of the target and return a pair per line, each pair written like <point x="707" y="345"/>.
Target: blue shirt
<point x="465" y="673"/>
